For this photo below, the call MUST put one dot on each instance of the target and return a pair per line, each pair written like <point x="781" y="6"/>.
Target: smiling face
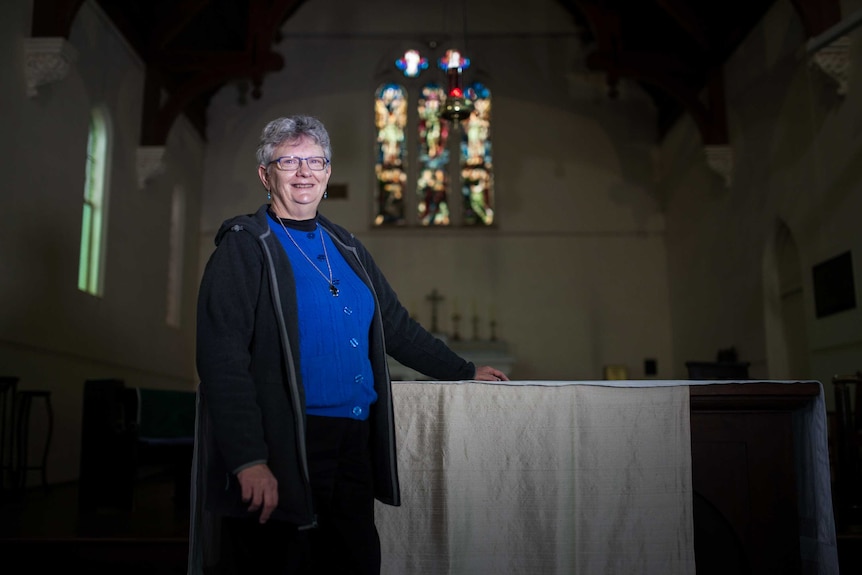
<point x="295" y="194"/>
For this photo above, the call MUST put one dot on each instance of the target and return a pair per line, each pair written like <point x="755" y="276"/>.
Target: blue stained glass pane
<point x="411" y="63"/>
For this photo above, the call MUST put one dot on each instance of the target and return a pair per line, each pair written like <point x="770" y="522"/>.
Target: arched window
<point x="432" y="185"/>
<point x="390" y="118"/>
<point x="436" y="179"/>
<point x="477" y="173"/>
<point x="93" y="222"/>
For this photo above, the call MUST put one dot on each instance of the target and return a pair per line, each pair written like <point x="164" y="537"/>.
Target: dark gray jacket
<point x="251" y="397"/>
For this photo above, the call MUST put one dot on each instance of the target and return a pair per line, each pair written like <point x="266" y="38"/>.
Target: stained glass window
<point x="433" y="181"/>
<point x="391" y="120"/>
<point x="476" y="161"/>
<point x="417" y="125"/>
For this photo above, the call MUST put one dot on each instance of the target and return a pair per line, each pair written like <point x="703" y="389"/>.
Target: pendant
<point x="334" y="290"/>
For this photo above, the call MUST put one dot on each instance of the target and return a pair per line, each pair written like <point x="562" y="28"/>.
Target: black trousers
<point x="346" y="539"/>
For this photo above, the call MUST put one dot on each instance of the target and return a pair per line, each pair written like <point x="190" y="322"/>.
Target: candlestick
<point x="435" y="298"/>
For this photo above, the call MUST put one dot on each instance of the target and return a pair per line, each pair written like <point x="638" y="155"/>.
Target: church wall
<point x="796" y="151"/>
<point x="53" y="336"/>
<point x="574" y="270"/>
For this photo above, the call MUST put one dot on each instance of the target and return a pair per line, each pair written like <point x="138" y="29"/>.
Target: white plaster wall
<point x="575" y="271"/>
<point x="52" y="336"/>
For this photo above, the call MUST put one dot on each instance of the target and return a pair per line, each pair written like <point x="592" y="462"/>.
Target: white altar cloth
<point x="499" y="479"/>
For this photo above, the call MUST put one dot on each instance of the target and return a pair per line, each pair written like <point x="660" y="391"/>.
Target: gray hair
<point x="290" y="129"/>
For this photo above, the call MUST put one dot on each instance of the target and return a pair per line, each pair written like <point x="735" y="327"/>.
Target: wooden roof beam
<point x="158" y="118"/>
<point x="53" y="18"/>
<point x="710" y="117"/>
<point x="817" y="16"/>
<point x="682" y="13"/>
<point x="171" y="25"/>
<point x="661" y="70"/>
<point x="214" y="69"/>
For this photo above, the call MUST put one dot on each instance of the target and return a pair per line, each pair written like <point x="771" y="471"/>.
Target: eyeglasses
<point x="292" y="163"/>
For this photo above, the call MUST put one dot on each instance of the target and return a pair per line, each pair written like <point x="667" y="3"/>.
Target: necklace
<point x="332" y="288"/>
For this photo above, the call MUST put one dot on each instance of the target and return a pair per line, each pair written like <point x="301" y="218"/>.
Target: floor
<point x="52" y="512"/>
<point x="41" y="531"/>
<point x="850" y="552"/>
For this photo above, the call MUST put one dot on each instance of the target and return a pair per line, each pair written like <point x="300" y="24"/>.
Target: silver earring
<point x="325" y="194"/>
<point x="268" y="195"/>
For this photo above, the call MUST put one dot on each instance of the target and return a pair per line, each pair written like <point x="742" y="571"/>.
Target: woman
<point x="296" y="432"/>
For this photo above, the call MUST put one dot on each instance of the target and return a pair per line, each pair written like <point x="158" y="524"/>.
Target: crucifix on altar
<point x="435" y="298"/>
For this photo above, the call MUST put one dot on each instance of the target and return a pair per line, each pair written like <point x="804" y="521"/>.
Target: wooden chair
<point x="848" y="451"/>
<point x="24" y="403"/>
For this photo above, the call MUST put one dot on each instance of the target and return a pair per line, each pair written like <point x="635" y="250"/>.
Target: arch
<point x="785" y="323"/>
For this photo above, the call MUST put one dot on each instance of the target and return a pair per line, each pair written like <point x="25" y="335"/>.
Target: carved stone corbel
<point x="834" y="60"/>
<point x="720" y="160"/>
<point x="48" y="60"/>
<point x="150" y="163"/>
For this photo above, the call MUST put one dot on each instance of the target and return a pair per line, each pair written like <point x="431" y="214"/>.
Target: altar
<point x="609" y="477"/>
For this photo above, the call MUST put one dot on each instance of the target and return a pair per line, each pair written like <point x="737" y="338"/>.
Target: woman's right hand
<point x="260" y="487"/>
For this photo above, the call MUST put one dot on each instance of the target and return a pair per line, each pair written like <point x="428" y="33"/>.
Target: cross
<point x="435" y="298"/>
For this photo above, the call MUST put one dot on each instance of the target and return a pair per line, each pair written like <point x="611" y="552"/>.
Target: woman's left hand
<point x="488" y="373"/>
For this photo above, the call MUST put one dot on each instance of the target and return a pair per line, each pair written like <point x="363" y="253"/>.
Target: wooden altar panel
<point x="743" y="466"/>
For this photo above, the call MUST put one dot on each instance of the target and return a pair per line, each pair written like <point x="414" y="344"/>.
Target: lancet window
<point x="390" y="118"/>
<point x="94" y="218"/>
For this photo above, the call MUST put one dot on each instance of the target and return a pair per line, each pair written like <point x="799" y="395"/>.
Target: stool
<point x="7" y="416"/>
<point x="22" y="430"/>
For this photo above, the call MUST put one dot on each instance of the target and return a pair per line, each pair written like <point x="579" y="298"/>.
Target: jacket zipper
<point x="291" y="368"/>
